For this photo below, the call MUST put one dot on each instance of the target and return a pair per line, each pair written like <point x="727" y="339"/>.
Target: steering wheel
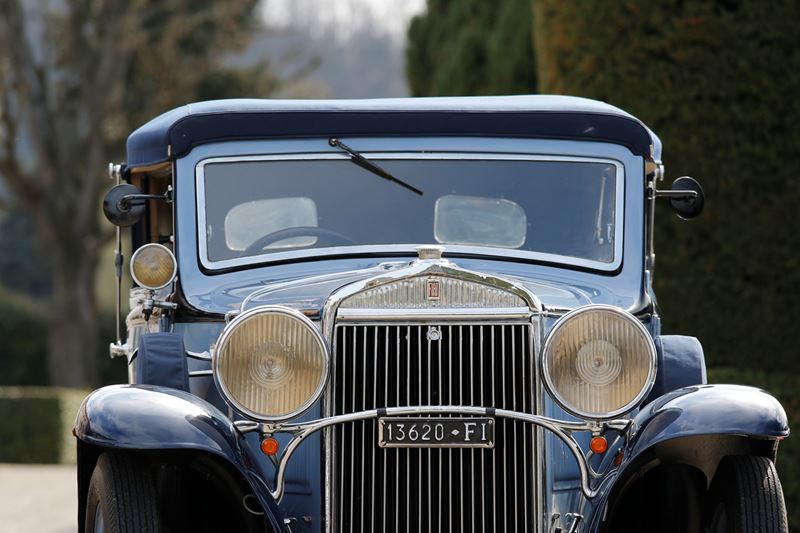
<point x="326" y="237"/>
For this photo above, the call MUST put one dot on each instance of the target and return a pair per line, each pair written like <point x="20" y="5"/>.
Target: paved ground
<point x="38" y="498"/>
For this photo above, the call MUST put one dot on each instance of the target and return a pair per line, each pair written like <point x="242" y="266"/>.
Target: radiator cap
<point x="430" y="252"/>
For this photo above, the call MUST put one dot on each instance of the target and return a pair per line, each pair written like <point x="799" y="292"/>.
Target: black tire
<point x="746" y="497"/>
<point x="122" y="494"/>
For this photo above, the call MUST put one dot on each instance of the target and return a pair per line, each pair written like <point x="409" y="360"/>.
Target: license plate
<point x="436" y="432"/>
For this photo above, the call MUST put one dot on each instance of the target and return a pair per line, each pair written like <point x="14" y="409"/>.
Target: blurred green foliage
<point x="23" y="353"/>
<point x="23" y="329"/>
<point x="471" y="47"/>
<point x="31" y="429"/>
<point x="37" y="423"/>
<point x="22" y="266"/>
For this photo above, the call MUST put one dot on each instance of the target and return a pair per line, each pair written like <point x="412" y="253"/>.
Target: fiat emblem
<point x="434" y="289"/>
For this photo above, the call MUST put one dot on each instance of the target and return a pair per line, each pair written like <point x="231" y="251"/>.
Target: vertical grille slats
<point x="431" y="489"/>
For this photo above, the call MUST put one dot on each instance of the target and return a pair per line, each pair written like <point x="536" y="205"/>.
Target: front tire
<point x="746" y="497"/>
<point x="122" y="497"/>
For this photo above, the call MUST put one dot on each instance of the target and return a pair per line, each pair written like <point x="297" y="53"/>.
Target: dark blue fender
<point x="145" y="417"/>
<point x="707" y="410"/>
<point x="697" y="426"/>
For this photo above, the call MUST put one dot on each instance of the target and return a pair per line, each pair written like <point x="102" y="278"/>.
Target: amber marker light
<point x="270" y="446"/>
<point x="599" y="444"/>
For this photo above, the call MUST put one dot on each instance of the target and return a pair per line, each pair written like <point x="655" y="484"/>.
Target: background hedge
<point x="471" y="47"/>
<point x="37" y="424"/>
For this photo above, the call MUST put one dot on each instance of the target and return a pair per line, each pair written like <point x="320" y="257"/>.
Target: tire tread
<point x="760" y="496"/>
<point x="126" y="487"/>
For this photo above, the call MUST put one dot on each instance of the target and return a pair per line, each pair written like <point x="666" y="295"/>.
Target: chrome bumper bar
<point x="562" y="429"/>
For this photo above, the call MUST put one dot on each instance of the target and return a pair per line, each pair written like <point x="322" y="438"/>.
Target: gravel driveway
<point x="38" y="498"/>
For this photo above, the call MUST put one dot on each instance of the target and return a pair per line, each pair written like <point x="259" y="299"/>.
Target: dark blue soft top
<point x="174" y="133"/>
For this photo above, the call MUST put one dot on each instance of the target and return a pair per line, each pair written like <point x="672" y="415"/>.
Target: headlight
<point x="599" y="362"/>
<point x="153" y="266"/>
<point x="271" y="363"/>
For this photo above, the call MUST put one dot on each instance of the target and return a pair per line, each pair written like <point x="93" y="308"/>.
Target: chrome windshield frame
<point x="409" y="249"/>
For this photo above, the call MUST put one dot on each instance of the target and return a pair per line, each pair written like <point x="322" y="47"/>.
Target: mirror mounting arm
<point x="137" y="199"/>
<point x="686" y="197"/>
<point x="686" y="194"/>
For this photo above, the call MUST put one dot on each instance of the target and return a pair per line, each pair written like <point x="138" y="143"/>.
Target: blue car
<point x="424" y="314"/>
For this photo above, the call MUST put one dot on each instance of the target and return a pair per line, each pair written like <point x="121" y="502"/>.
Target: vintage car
<point x="429" y="314"/>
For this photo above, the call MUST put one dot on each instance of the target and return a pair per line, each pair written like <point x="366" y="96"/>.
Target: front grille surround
<point x="474" y="345"/>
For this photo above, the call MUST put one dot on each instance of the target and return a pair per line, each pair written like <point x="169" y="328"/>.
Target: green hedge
<point x="785" y="386"/>
<point x="37" y="424"/>
<point x="471" y="47"/>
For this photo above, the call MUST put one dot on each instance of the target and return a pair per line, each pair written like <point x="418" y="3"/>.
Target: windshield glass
<point x="271" y="207"/>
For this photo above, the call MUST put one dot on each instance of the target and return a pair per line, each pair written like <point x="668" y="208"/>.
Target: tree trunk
<point x="73" y="332"/>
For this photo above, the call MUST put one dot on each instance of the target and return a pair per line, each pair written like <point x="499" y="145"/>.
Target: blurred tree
<point x="22" y="265"/>
<point x="471" y="47"/>
<point x="75" y="77"/>
<point x="717" y="80"/>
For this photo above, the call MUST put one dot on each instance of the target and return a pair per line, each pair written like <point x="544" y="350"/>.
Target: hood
<point x="307" y="287"/>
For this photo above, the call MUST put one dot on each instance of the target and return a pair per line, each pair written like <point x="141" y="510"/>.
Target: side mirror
<point x="687" y="206"/>
<point x="686" y="197"/>
<point x="123" y="205"/>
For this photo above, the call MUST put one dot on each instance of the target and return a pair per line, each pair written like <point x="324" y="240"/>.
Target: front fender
<point x="145" y="417"/>
<point x="707" y="410"/>
<point x="693" y="428"/>
<point x="148" y="418"/>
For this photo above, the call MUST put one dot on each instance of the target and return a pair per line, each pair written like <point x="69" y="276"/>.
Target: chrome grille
<point x="413" y="489"/>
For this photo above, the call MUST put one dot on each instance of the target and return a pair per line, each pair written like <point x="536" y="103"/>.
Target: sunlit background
<point x="716" y="79"/>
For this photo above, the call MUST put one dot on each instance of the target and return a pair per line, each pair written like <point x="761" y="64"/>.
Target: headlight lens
<point x="153" y="266"/>
<point x="599" y="362"/>
<point x="271" y="363"/>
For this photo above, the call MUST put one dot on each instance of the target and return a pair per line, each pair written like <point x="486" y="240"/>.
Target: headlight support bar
<point x="561" y="428"/>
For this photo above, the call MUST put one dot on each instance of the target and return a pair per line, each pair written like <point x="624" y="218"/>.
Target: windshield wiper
<point x="366" y="164"/>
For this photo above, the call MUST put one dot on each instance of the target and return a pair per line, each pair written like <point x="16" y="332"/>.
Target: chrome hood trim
<point x="405" y="289"/>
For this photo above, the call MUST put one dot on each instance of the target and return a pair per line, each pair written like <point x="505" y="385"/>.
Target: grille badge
<point x="433" y="289"/>
<point x="434" y="333"/>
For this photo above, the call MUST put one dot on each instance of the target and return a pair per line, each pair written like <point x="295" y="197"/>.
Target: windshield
<point x="273" y="208"/>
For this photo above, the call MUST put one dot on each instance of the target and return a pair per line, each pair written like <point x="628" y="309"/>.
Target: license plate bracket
<point x="440" y="432"/>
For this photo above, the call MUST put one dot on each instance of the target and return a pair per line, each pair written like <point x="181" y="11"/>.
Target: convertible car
<point x="430" y="314"/>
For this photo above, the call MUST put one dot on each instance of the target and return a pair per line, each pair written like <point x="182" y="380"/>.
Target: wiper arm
<point x="366" y="164"/>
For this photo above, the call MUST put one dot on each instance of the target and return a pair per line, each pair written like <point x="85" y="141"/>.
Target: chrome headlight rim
<point x="558" y="398"/>
<point x="231" y="327"/>
<point x="143" y="249"/>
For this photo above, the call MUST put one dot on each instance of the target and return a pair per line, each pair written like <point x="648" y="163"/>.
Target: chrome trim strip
<point x="411" y="247"/>
<point x="561" y="428"/>
<point x="440" y="267"/>
<point x="345" y="315"/>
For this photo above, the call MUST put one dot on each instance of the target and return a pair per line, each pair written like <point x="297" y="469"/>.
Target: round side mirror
<point x="687" y="206"/>
<point x="120" y="208"/>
